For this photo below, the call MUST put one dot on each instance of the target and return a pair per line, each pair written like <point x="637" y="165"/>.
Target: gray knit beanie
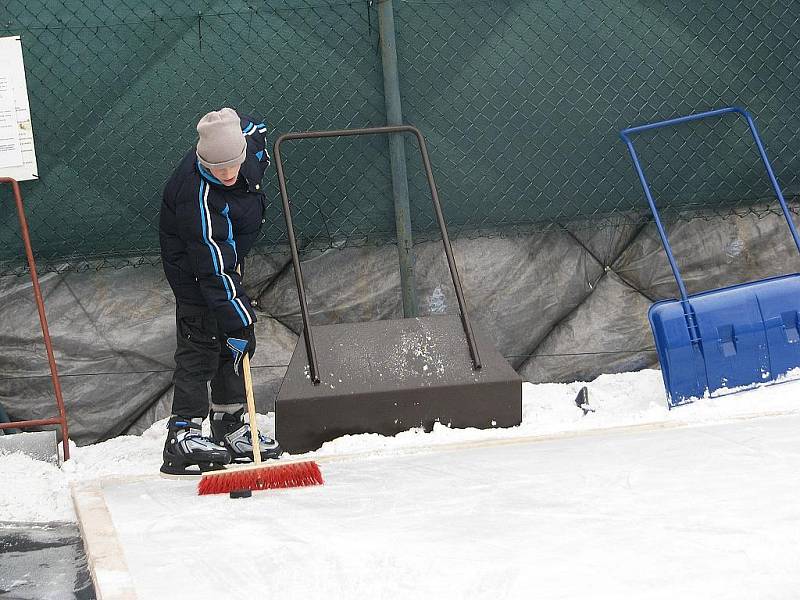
<point x="222" y="143"/>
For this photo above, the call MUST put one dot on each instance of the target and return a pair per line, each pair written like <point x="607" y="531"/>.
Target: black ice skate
<point x="188" y="453"/>
<point x="234" y="432"/>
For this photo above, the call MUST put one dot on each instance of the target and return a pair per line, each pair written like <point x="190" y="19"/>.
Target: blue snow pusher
<point x="731" y="337"/>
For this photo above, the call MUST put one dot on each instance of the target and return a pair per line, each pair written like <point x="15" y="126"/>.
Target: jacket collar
<point x="206" y="174"/>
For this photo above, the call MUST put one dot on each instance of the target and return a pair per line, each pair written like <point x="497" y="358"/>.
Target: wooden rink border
<point x="104" y="553"/>
<point x="106" y="556"/>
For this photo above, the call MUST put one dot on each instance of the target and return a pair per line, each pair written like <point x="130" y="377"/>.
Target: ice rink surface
<point x="704" y="511"/>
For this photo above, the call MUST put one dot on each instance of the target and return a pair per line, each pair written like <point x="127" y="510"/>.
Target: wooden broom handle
<point x="251" y="401"/>
<point x="251" y="409"/>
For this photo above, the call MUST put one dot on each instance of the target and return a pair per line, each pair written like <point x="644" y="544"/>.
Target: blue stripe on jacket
<point x="230" y="240"/>
<point x="208" y="242"/>
<point x="206" y="239"/>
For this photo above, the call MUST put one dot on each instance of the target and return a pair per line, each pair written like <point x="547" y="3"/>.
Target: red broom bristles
<point x="260" y="477"/>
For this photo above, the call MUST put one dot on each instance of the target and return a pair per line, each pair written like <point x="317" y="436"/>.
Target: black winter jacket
<point x="206" y="229"/>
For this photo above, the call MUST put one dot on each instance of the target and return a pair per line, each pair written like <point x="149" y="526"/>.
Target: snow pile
<point x="619" y="400"/>
<point x="39" y="492"/>
<point x="33" y="490"/>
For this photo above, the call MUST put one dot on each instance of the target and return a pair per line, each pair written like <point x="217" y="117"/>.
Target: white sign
<point x="17" y="154"/>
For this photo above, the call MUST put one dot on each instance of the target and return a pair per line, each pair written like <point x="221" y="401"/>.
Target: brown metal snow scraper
<point x="388" y="376"/>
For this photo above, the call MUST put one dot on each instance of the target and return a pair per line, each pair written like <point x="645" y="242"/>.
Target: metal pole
<point x="311" y="351"/>
<point x="31" y="423"/>
<point x="37" y="292"/>
<point x="662" y="232"/>
<point x="448" y="250"/>
<point x="397" y="156"/>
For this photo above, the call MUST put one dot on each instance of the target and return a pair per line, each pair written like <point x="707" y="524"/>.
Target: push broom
<point x="240" y="481"/>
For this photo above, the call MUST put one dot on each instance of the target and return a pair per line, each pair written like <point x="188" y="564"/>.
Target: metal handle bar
<point x="298" y="275"/>
<point x="625" y="135"/>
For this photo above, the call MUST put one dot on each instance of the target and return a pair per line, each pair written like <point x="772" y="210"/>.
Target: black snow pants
<point x="202" y="356"/>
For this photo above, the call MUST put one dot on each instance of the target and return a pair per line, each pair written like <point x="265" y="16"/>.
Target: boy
<point x="211" y="214"/>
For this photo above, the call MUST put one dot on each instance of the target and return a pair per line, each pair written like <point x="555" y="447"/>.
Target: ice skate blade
<point x="181" y="476"/>
<point x="167" y="472"/>
<point x="248" y="460"/>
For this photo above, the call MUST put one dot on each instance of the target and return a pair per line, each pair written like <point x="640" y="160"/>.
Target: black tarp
<point x="560" y="306"/>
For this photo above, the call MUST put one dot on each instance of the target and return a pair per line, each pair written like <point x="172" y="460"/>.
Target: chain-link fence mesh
<point x="521" y="104"/>
<point x="530" y="98"/>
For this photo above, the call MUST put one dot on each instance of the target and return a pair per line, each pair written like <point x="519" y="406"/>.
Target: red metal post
<point x="61" y="420"/>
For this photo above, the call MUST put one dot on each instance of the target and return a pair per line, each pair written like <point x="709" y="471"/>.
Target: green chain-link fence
<point x="521" y="103"/>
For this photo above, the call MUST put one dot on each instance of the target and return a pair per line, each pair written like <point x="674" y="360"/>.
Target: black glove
<point x="240" y="341"/>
